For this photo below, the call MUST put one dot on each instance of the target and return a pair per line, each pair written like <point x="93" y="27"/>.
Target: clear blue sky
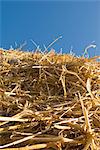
<point x="78" y="21"/>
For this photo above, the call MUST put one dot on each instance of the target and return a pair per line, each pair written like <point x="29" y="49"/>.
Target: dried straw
<point x="49" y="101"/>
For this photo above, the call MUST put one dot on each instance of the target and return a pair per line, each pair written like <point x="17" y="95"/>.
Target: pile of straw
<point x="49" y="101"/>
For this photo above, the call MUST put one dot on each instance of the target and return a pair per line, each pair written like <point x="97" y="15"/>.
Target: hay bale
<point x="49" y="101"/>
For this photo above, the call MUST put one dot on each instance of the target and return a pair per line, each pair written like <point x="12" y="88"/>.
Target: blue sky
<point x="78" y="21"/>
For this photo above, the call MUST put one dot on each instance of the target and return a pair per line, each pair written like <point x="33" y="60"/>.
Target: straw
<point x="49" y="100"/>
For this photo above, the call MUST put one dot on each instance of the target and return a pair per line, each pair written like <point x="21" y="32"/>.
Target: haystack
<point x="49" y="101"/>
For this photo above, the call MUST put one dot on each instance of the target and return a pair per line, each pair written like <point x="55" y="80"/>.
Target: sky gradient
<point x="43" y="21"/>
